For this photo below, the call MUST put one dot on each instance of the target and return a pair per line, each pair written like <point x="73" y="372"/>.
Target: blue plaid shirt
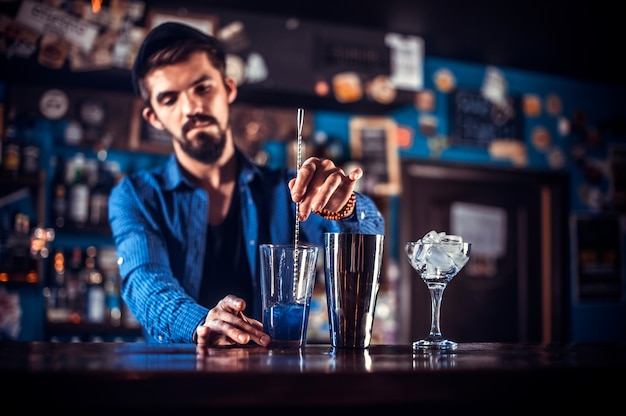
<point x="159" y="223"/>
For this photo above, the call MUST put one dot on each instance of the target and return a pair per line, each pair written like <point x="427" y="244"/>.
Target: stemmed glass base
<point x="434" y="343"/>
<point x="434" y="340"/>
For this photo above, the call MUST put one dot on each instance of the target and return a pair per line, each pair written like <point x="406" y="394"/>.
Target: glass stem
<point x="436" y="295"/>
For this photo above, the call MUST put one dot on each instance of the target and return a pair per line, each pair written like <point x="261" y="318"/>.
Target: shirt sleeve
<point x="365" y="219"/>
<point x="154" y="296"/>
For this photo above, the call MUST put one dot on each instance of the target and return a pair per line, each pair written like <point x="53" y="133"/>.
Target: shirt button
<point x="362" y="215"/>
<point x="252" y="242"/>
<point x="120" y="260"/>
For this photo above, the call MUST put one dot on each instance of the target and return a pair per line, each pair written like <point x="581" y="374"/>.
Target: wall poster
<point x="373" y="143"/>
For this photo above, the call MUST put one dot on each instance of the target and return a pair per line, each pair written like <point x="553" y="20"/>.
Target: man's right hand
<point x="226" y="324"/>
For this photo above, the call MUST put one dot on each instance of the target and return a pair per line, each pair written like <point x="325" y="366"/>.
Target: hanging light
<point x="96" y="5"/>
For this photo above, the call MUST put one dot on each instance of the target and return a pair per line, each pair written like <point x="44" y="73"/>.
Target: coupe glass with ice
<point x="437" y="257"/>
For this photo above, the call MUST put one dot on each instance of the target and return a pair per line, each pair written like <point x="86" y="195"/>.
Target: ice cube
<point x="431" y="237"/>
<point x="452" y="244"/>
<point x="438" y="258"/>
<point x="449" y="238"/>
<point x="457" y="251"/>
<point x="416" y="252"/>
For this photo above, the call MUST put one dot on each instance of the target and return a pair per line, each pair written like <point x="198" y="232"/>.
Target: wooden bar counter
<point x="126" y="378"/>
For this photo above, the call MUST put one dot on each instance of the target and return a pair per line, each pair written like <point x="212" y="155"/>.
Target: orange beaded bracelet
<point x="330" y="215"/>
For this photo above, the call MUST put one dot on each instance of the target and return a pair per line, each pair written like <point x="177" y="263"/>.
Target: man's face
<point x="190" y="100"/>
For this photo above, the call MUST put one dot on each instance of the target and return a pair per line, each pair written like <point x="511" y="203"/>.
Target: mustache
<point x="202" y="118"/>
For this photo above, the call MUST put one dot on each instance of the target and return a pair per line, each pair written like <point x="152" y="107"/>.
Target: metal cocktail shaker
<point x="353" y="264"/>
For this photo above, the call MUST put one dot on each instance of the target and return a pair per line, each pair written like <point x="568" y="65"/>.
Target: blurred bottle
<point x="99" y="197"/>
<point x="79" y="193"/>
<point x="57" y="308"/>
<point x="21" y="266"/>
<point x="30" y="159"/>
<point x="30" y="150"/>
<point x="59" y="194"/>
<point x="95" y="299"/>
<point x="11" y="151"/>
<point x="107" y="260"/>
<point x="113" y="299"/>
<point x="75" y="285"/>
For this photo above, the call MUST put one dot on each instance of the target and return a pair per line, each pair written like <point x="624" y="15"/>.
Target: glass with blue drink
<point x="287" y="280"/>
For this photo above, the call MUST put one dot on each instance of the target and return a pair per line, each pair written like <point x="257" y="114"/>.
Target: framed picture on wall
<point x="144" y="137"/>
<point x="204" y="22"/>
<point x="373" y="143"/>
<point x="597" y="257"/>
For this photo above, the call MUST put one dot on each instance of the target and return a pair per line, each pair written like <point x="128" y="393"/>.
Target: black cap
<point x="165" y="35"/>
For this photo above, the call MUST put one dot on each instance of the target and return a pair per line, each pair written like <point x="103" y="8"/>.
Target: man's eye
<point x="203" y="88"/>
<point x="168" y="101"/>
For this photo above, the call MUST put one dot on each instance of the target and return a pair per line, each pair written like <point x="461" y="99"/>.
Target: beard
<point x="203" y="147"/>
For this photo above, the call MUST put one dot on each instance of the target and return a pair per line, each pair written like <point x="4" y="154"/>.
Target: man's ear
<point x="231" y="87"/>
<point x="150" y="116"/>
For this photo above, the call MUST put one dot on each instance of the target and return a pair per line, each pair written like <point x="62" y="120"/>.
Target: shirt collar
<point x="174" y="176"/>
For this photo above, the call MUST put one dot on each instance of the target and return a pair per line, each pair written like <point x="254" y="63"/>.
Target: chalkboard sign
<point x="598" y="257"/>
<point x="373" y="144"/>
<point x="374" y="152"/>
<point x="145" y="137"/>
<point x="477" y="121"/>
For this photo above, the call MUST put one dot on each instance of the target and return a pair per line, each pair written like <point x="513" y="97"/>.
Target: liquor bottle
<point x="75" y="287"/>
<point x="95" y="299"/>
<point x="11" y="151"/>
<point x="113" y="299"/>
<point x="99" y="197"/>
<point x="30" y="150"/>
<point x="22" y="267"/>
<point x="79" y="193"/>
<point x="30" y="159"/>
<point x="57" y="309"/>
<point x="59" y="194"/>
<point x="107" y="262"/>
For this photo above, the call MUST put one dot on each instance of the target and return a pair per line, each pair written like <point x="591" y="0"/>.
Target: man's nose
<point x="192" y="104"/>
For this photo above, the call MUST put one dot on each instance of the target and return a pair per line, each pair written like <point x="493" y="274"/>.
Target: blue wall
<point x="583" y="158"/>
<point x="580" y="149"/>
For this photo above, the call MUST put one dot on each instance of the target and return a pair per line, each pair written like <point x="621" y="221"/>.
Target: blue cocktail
<point x="287" y="280"/>
<point x="286" y="324"/>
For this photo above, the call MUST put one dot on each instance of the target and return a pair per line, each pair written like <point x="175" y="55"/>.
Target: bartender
<point x="187" y="232"/>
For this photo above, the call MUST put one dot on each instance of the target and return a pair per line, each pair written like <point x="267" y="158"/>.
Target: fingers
<point x="355" y="174"/>
<point x="227" y="325"/>
<point x="321" y="184"/>
<point x="231" y="304"/>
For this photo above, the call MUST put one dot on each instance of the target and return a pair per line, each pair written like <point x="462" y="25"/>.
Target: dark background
<point x="582" y="40"/>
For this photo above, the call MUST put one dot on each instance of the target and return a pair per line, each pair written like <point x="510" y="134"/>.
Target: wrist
<point x="344" y="212"/>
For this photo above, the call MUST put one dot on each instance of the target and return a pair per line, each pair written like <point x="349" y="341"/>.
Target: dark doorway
<point x="512" y="291"/>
